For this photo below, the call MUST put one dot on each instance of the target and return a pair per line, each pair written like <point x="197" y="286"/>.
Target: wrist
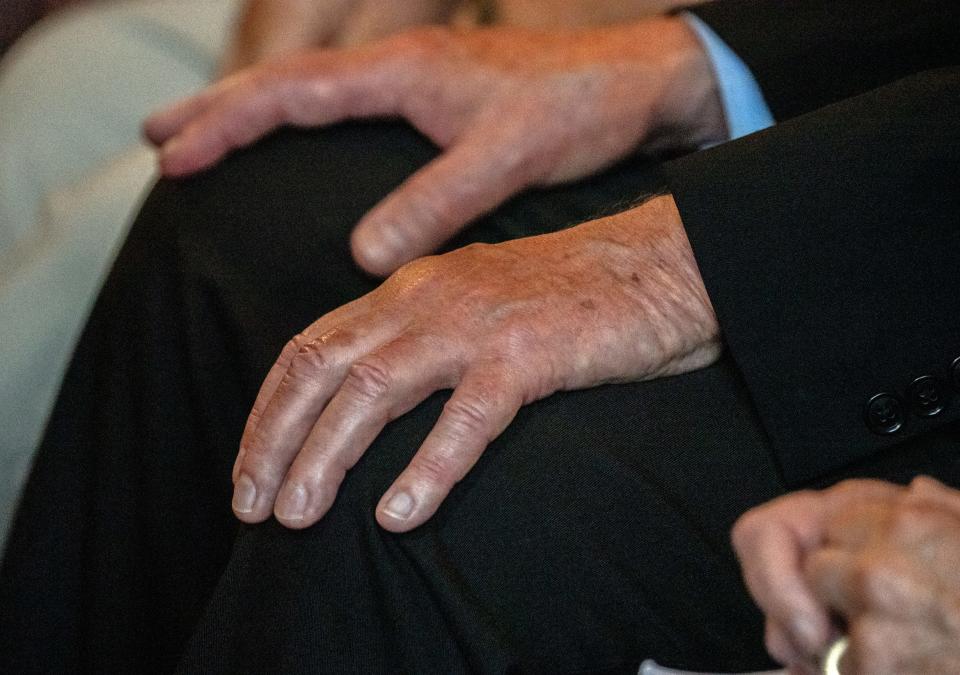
<point x="657" y="267"/>
<point x="689" y="112"/>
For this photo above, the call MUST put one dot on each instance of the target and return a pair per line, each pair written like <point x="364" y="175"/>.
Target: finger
<point x="771" y="554"/>
<point x="481" y="407"/>
<point x="474" y="176"/>
<point x="321" y="327"/>
<point x="164" y="123"/>
<point x="838" y="581"/>
<point x="379" y="388"/>
<point x="313" y="89"/>
<point x="313" y="376"/>
<point x="779" y="645"/>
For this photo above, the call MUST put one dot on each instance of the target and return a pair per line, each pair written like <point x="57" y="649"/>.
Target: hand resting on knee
<point x="511" y="108"/>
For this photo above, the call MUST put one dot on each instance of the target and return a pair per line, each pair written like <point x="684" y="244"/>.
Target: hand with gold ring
<point x="873" y="559"/>
<point x="890" y="571"/>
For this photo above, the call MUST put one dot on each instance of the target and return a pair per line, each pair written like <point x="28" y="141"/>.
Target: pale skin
<point x="616" y="299"/>
<point x="872" y="559"/>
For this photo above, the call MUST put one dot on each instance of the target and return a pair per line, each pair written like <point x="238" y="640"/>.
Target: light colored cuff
<point x="745" y="109"/>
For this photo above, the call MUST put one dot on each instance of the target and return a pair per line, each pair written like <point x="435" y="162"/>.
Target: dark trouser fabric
<point x="592" y="534"/>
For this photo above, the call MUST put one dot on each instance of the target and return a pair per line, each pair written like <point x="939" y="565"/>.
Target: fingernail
<point x="400" y="506"/>
<point x="244" y="494"/>
<point x="292" y="504"/>
<point x="377" y="253"/>
<point x="379" y="247"/>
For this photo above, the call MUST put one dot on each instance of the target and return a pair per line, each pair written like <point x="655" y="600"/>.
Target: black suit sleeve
<point x="808" y="53"/>
<point x="830" y="247"/>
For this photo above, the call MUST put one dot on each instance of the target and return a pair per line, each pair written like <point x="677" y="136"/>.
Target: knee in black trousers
<point x="592" y="534"/>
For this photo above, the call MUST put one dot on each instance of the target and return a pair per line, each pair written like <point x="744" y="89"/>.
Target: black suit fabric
<point x="594" y="532"/>
<point x="807" y="54"/>
<point x="829" y="246"/>
<point x="591" y="535"/>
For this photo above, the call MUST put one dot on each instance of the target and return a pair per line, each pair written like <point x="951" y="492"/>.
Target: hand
<point x="271" y="28"/>
<point x="612" y="300"/>
<point x="512" y="108"/>
<point x="879" y="557"/>
<point x="773" y="542"/>
<point x="890" y="570"/>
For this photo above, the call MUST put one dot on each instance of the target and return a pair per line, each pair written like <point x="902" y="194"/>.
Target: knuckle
<point x="431" y="207"/>
<point x="257" y="458"/>
<point x="370" y="378"/>
<point x="417" y="275"/>
<point x="749" y="527"/>
<point x="743" y="532"/>
<point x="923" y="484"/>
<point x="909" y="522"/>
<point x="469" y="414"/>
<point x="292" y="347"/>
<point x="519" y="340"/>
<point x="436" y="469"/>
<point x="873" y="579"/>
<point x="307" y="348"/>
<point x="309" y="366"/>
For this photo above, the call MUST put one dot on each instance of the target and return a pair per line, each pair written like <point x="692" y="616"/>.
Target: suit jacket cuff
<point x="829" y="247"/>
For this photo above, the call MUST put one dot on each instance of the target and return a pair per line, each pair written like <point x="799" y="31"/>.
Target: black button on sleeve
<point x="929" y="396"/>
<point x="884" y="414"/>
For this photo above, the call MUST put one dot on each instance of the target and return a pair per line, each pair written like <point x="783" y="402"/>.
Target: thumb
<point x="471" y="178"/>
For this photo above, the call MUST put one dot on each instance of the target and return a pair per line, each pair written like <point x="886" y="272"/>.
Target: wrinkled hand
<point x="512" y="108"/>
<point x="880" y="559"/>
<point x="271" y="28"/>
<point x="612" y="300"/>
